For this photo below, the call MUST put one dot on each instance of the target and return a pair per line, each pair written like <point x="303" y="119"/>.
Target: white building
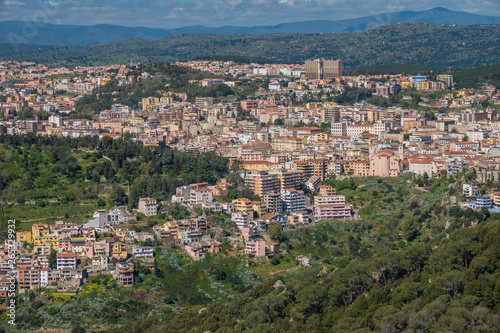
<point x="422" y="166"/>
<point x="148" y="206"/>
<point x="242" y="219"/>
<point x="328" y="199"/>
<point x="66" y="260"/>
<point x="200" y="196"/>
<point x="293" y="200"/>
<point x="142" y="251"/>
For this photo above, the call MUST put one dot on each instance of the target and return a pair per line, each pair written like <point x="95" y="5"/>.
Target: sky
<point x="216" y="13"/>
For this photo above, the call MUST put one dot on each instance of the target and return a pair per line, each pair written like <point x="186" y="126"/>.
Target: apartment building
<point x="312" y="167"/>
<point x="142" y="252"/>
<point x="200" y="196"/>
<point x="328" y="200"/>
<point x="256" y="247"/>
<point x="327" y="190"/>
<point x="273" y="202"/>
<point x="66" y="260"/>
<point x="241" y="219"/>
<point x="331" y="212"/>
<point x="148" y="206"/>
<point x="124" y="274"/>
<point x="262" y="183"/>
<point x="293" y="200"/>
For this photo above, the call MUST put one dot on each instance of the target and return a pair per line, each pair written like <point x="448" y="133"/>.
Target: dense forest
<point x="404" y="43"/>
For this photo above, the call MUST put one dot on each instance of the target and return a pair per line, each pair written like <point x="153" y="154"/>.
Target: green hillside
<point x="405" y="43"/>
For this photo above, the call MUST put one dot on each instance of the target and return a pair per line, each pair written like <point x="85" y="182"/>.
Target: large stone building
<point x="318" y="69"/>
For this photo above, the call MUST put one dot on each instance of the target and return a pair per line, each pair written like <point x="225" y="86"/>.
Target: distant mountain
<point x="73" y="35"/>
<point x="403" y="43"/>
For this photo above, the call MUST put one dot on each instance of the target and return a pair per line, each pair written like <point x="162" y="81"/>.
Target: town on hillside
<point x="298" y="126"/>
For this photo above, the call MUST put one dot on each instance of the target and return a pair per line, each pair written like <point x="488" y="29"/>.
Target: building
<point x="422" y="166"/>
<point x="327" y="190"/>
<point x="293" y="200"/>
<point x="24" y="236"/>
<point x="339" y="129"/>
<point x="262" y="183"/>
<point x="124" y="274"/>
<point x="256" y="247"/>
<point x="418" y="78"/>
<point x="328" y="200"/>
<point x="470" y="190"/>
<point x="318" y="69"/>
<point x="446" y="78"/>
<point x="5" y="285"/>
<point x="312" y="167"/>
<point x="66" y="260"/>
<point x="142" y="251"/>
<point x="200" y="196"/>
<point x="148" y="206"/>
<point x="273" y="202"/>
<point x="386" y="163"/>
<point x="29" y="277"/>
<point x="331" y="212"/>
<point x="241" y="219"/>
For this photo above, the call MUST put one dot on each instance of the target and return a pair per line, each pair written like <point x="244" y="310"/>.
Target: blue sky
<point x="177" y="13"/>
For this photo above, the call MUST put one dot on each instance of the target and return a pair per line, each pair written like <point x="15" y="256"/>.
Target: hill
<point x="74" y="35"/>
<point x="403" y="43"/>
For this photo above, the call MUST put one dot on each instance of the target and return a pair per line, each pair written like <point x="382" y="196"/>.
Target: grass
<point x="75" y="212"/>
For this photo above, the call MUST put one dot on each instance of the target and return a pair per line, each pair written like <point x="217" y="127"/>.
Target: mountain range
<point x="16" y="32"/>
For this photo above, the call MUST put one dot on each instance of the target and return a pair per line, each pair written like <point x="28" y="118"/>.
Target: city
<point x="237" y="194"/>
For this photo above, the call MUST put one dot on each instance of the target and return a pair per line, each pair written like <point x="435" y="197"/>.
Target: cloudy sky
<point x="214" y="13"/>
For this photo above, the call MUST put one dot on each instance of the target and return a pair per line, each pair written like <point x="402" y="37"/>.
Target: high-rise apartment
<point x="323" y="69"/>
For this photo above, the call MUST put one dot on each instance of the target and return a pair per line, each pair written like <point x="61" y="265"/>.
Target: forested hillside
<point x="405" y="43"/>
<point x="444" y="285"/>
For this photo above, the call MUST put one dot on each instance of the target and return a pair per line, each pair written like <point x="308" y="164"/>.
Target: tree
<point x="465" y="138"/>
<point x="275" y="231"/>
<point x="53" y="258"/>
<point x="118" y="195"/>
<point x="410" y="227"/>
<point x="452" y="282"/>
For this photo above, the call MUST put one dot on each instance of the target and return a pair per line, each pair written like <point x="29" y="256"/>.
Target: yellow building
<point x="122" y="233"/>
<point x="149" y="103"/>
<point x="39" y="230"/>
<point x="406" y="85"/>
<point x="24" y="236"/>
<point x="243" y="204"/>
<point x="259" y="207"/>
<point x="256" y="165"/>
<point x="136" y="121"/>
<point x="119" y="251"/>
<point x="423" y="85"/>
<point x="53" y="239"/>
<point x="288" y="143"/>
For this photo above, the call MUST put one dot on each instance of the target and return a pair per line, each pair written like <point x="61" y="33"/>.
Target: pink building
<point x="257" y="247"/>
<point x="326" y="190"/>
<point x="248" y="232"/>
<point x="65" y="244"/>
<point x="386" y="163"/>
